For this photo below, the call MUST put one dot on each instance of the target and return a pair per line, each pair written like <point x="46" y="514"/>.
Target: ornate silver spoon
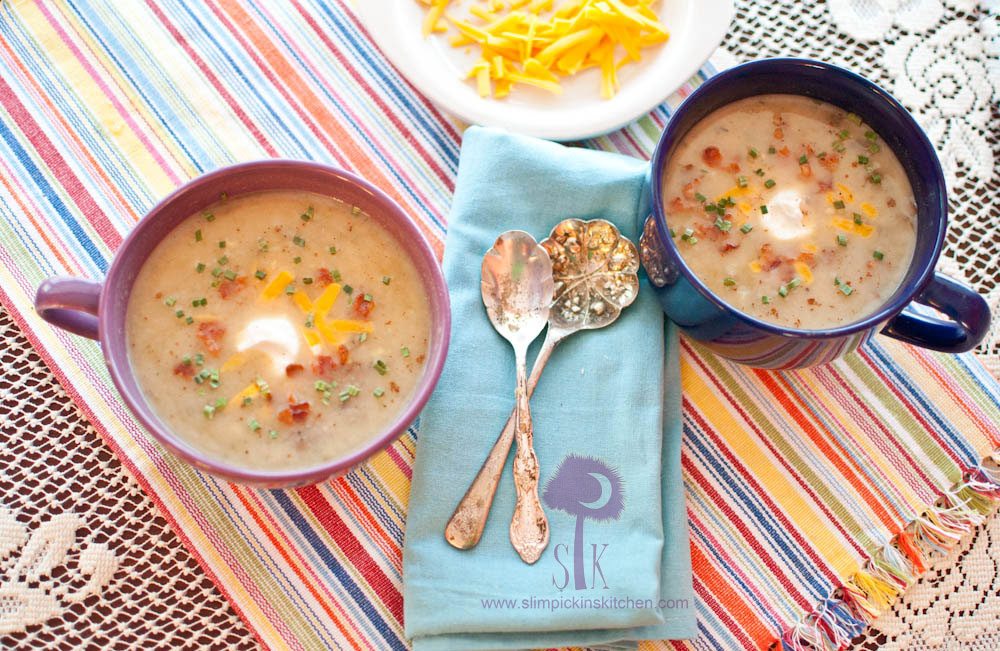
<point x="595" y="272"/>
<point x="517" y="290"/>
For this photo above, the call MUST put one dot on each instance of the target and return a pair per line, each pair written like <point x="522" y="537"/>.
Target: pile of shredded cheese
<point x="530" y="42"/>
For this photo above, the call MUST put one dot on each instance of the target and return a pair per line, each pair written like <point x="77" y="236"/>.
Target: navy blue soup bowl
<point x="962" y="316"/>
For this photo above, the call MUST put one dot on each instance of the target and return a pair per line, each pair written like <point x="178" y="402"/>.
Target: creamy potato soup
<point x="791" y="210"/>
<point x="278" y="330"/>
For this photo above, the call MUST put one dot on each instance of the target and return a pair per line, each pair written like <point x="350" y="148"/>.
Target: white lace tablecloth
<point x="86" y="552"/>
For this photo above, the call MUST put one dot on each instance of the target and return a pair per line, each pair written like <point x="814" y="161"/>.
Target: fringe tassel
<point x="896" y="565"/>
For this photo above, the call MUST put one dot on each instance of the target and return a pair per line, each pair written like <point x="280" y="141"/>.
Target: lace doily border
<point x="890" y="570"/>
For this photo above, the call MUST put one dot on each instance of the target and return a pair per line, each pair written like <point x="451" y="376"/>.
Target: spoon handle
<point x="466" y="525"/>
<point x="529" y="528"/>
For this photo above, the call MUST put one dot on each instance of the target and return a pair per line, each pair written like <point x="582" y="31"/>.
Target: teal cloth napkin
<point x="610" y="396"/>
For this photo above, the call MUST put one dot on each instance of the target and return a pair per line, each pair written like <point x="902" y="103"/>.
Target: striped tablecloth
<point x="798" y="483"/>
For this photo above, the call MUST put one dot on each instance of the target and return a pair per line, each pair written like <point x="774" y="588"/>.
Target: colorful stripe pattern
<point x="794" y="479"/>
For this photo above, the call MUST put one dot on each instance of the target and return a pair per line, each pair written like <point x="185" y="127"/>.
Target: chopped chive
<point x="308" y="214"/>
<point x="199" y="359"/>
<point x="763" y="209"/>
<point x="858" y="219"/>
<point x="771" y="150"/>
<point x="753" y="153"/>
<point x="230" y="274"/>
<point x="842" y="240"/>
<point x="216" y="271"/>
<point x="223" y="197"/>
<point x="876" y="178"/>
<point x="874" y="148"/>
<point x="700" y="197"/>
<point x="262" y="244"/>
<point x="766" y="300"/>
<point x="179" y="314"/>
<point x="741" y="181"/>
<point x="224" y="260"/>
<point x="273" y="433"/>
<point x="253" y="424"/>
<point x="310" y="320"/>
<point x="688" y="233"/>
<point x="723" y="224"/>
<point x="222" y="244"/>
<point x="290" y="289"/>
<point x="878" y="255"/>
<point x="368" y="298"/>
<point x="332" y="250"/>
<point x="759" y="171"/>
<point x="673" y="233"/>
<point x="189" y="320"/>
<point x="199" y="302"/>
<point x="336" y="275"/>
<point x="247" y="401"/>
<point x="209" y="217"/>
<point x="307" y="281"/>
<point x="209" y="411"/>
<point x="260" y="274"/>
<point x="380" y="367"/>
<point x="846" y="289"/>
<point x="839" y="147"/>
<point x="298" y="241"/>
<point x="844" y="135"/>
<point x="728" y="281"/>
<point x="871" y="135"/>
<point x="197" y="235"/>
<point x="863" y="160"/>
<point x="746" y="228"/>
<point x="693" y="241"/>
<point x="186" y="360"/>
<point x="711" y="208"/>
<point x="362" y="337"/>
<point x="386" y="280"/>
<point x="769" y="183"/>
<point x="803" y="159"/>
<point x="783" y="291"/>
<point x="822" y="154"/>
<point x="355" y="210"/>
<point x="171" y="301"/>
<point x="297" y="259"/>
<point x="348" y="289"/>
<point x="378" y="392"/>
<point x="404" y="351"/>
<point x="200" y="267"/>
<point x="838" y="204"/>
<point x="794" y="282"/>
<point x="853" y="117"/>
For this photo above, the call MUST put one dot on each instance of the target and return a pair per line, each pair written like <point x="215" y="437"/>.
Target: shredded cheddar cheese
<point x="531" y="42"/>
<point x="803" y="271"/>
<point x="848" y="225"/>
<point x="278" y="285"/>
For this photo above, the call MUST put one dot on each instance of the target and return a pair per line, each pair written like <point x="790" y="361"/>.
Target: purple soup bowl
<point x="97" y="309"/>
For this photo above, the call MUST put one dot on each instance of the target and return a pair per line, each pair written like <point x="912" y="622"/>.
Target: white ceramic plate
<point x="438" y="70"/>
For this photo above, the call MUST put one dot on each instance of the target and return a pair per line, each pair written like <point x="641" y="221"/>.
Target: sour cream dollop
<point x="784" y="219"/>
<point x="275" y="337"/>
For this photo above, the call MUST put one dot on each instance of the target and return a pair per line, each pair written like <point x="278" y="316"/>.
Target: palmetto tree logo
<point x="589" y="489"/>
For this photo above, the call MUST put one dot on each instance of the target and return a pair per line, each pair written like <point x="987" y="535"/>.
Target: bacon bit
<point x="210" y="333"/>
<point x="729" y="246"/>
<point x="806" y="170"/>
<point x="393" y="387"/>
<point x="293" y="369"/>
<point x="825" y="186"/>
<point x="297" y="412"/>
<point x="778" y="120"/>
<point x="158" y="295"/>
<point x="783" y="151"/>
<point x="830" y="161"/>
<point x="811" y="301"/>
<point x="229" y="288"/>
<point x="184" y="370"/>
<point x="689" y="189"/>
<point x="362" y="307"/>
<point x="712" y="156"/>
<point x="779" y="134"/>
<point x="323" y="365"/>
<point x="810" y="151"/>
<point x="323" y="277"/>
<point x="734" y="167"/>
<point x="806" y="258"/>
<point x="709" y="232"/>
<point x="768" y="260"/>
<point x="420" y="358"/>
<point x="677" y="204"/>
<point x="891" y="202"/>
<point x="343" y="354"/>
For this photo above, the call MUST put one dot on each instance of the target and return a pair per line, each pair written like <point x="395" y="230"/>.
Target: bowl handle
<point x="968" y="312"/>
<point x="70" y="304"/>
